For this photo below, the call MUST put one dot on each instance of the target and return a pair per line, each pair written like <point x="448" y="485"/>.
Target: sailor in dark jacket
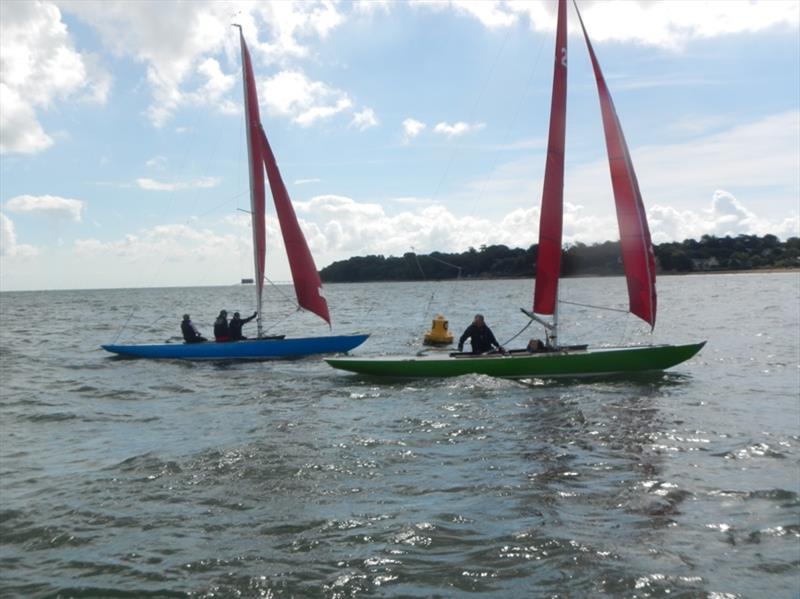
<point x="236" y="324"/>
<point x="480" y="336"/>
<point x="190" y="332"/>
<point x="221" y="332"/>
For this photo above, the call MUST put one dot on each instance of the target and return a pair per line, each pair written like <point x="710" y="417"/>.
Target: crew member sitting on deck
<point x="221" y="332"/>
<point x="190" y="332"/>
<point x="536" y="346"/>
<point x="480" y="336"/>
<point x="236" y="324"/>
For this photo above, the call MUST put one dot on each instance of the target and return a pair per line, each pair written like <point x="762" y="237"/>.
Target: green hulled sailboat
<point x="637" y="257"/>
<point x="521" y="364"/>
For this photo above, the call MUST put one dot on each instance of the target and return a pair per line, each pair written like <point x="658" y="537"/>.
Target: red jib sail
<point x="637" y="249"/>
<point x="256" y="161"/>
<point x="548" y="261"/>
<point x="307" y="284"/>
<point x="306" y="279"/>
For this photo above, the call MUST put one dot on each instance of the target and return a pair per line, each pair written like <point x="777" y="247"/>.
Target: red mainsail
<point x="548" y="261"/>
<point x="637" y="248"/>
<point x="256" y="161"/>
<point x="307" y="283"/>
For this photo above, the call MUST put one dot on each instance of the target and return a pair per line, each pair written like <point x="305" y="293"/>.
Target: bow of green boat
<point x="563" y="363"/>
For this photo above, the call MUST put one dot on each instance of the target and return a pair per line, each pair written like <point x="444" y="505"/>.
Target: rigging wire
<point x="478" y="99"/>
<point x="458" y="268"/>
<point x="124" y="325"/>
<point x="593" y="306"/>
<point x="433" y="293"/>
<point x="135" y="335"/>
<point x="430" y="303"/>
<point x="281" y="293"/>
<point x="416" y="257"/>
<point x="608" y="324"/>
<point x="277" y="322"/>
<point x="534" y="68"/>
<point x="522" y="330"/>
<point x="424" y="278"/>
<point x="168" y="207"/>
<point x="286" y="298"/>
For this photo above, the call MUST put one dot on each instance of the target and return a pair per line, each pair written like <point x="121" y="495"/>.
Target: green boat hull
<point x="568" y="363"/>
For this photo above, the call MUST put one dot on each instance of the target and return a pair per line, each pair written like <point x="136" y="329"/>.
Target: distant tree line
<point x="709" y="254"/>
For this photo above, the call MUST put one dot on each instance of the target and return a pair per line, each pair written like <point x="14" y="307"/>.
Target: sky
<point x="398" y="127"/>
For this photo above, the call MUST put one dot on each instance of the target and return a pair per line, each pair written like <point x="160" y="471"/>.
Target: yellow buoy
<point x="438" y="335"/>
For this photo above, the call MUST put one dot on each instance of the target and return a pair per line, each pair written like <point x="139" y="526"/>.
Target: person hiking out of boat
<point x="481" y="337"/>
<point x="221" y="329"/>
<point x="190" y="332"/>
<point x="236" y="324"/>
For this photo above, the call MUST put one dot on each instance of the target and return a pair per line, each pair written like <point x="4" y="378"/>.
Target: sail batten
<point x="638" y="257"/>
<point x="548" y="260"/>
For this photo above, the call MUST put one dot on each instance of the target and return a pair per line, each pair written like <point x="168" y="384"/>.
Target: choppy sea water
<point x="131" y="478"/>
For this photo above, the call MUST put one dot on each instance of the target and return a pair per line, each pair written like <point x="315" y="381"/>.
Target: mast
<point x="548" y="260"/>
<point x="255" y="160"/>
<point x="638" y="257"/>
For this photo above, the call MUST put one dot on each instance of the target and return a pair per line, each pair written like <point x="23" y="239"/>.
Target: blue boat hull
<point x="251" y="349"/>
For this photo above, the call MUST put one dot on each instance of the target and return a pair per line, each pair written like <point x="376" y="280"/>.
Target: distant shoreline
<point x="744" y="253"/>
<point x="793" y="269"/>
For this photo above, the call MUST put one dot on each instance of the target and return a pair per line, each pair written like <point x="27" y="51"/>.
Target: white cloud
<point x="216" y="85"/>
<point x="338" y="227"/>
<point x="153" y="185"/>
<point x="491" y="13"/>
<point x="179" y="42"/>
<point x="348" y="228"/>
<point x="341" y="227"/>
<point x="47" y="205"/>
<point x="173" y="40"/>
<point x="290" y="21"/>
<point x="8" y="241"/>
<point x="457" y="129"/>
<point x="20" y="130"/>
<point x="370" y="7"/>
<point x="8" y="236"/>
<point x="635" y="82"/>
<point x="181" y="45"/>
<point x="412" y="128"/>
<point x="669" y="24"/>
<point x="760" y="157"/>
<point x="307" y="181"/>
<point x="756" y="162"/>
<point x="179" y="254"/>
<point x="411" y="201"/>
<point x="39" y="67"/>
<point x="292" y="94"/>
<point x="364" y="120"/>
<point x="177" y="242"/>
<point x="698" y="124"/>
<point x="673" y="24"/>
<point x="725" y="216"/>
<point x="157" y="162"/>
